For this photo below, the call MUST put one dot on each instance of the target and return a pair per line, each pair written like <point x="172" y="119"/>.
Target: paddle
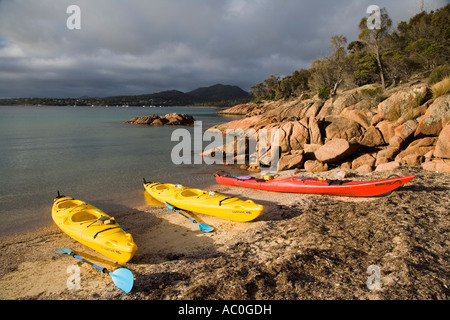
<point x="203" y="227"/>
<point x="122" y="277"/>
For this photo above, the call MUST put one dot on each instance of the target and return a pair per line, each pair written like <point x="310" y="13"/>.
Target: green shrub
<point x="438" y="74"/>
<point x="371" y="91"/>
<point x="305" y="96"/>
<point x="324" y="93"/>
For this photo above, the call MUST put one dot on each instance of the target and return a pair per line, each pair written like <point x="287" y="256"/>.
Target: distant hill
<point x="217" y="95"/>
<point x="218" y="92"/>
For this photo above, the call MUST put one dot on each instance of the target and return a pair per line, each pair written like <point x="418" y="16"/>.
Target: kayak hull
<point x="93" y="228"/>
<point x="200" y="201"/>
<point x="316" y="186"/>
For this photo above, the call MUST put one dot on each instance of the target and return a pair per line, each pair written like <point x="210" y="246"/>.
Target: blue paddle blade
<point x="63" y="251"/>
<point x="205" y="228"/>
<point x="123" y="279"/>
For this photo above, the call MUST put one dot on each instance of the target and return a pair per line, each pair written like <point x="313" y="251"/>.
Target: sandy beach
<point x="302" y="247"/>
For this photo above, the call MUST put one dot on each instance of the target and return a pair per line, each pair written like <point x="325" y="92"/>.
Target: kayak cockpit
<point x="161" y="187"/>
<point x="69" y="204"/>
<point x="83" y="216"/>
<point x="189" y="193"/>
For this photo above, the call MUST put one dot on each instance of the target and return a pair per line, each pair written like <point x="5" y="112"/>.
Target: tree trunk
<point x="380" y="66"/>
<point x="336" y="86"/>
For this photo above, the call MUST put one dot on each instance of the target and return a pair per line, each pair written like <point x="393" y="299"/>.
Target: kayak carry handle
<point x="227" y="198"/>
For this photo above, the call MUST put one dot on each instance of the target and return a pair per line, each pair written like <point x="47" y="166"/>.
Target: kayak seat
<point x="83" y="216"/>
<point x="69" y="204"/>
<point x="338" y="182"/>
<point x="189" y="193"/>
<point x="161" y="187"/>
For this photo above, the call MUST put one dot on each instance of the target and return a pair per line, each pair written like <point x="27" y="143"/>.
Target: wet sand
<point x="302" y="247"/>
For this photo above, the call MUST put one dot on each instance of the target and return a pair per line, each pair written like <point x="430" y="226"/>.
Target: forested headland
<point x="388" y="55"/>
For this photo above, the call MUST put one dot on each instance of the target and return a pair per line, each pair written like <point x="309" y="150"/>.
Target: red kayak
<point x="346" y="188"/>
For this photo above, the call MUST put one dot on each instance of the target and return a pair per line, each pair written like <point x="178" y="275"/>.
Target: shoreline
<point x="301" y="247"/>
<point x="137" y="201"/>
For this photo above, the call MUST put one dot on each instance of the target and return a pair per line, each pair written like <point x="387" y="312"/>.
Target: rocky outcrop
<point x="171" y="119"/>
<point x="442" y="149"/>
<point x="404" y="101"/>
<point x="436" y="117"/>
<point x="293" y="159"/>
<point x="337" y="127"/>
<point x="315" y="166"/>
<point x="372" y="137"/>
<point x="241" y="109"/>
<point x="357" y="129"/>
<point x="438" y="165"/>
<point x="335" y="150"/>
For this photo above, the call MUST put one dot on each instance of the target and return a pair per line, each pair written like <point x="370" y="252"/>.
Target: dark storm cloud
<point x="137" y="46"/>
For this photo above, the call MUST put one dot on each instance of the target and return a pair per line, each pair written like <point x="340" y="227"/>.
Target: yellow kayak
<point x="93" y="228"/>
<point x="200" y="201"/>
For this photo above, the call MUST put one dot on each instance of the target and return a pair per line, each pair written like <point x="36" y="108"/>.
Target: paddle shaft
<point x="194" y="221"/>
<point x="203" y="227"/>
<point x="89" y="263"/>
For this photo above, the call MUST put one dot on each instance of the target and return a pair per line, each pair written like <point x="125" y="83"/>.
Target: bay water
<point x="90" y="154"/>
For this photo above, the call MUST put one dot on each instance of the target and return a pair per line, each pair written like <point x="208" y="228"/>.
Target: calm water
<point x="86" y="153"/>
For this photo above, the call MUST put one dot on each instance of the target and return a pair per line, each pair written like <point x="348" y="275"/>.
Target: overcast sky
<point x="146" y="46"/>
